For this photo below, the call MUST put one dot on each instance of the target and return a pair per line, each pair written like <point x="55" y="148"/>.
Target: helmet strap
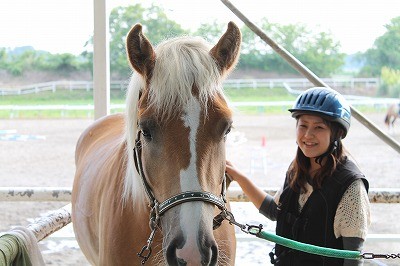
<point x="332" y="148"/>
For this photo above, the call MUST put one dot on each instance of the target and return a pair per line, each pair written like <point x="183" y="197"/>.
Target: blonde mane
<point x="181" y="63"/>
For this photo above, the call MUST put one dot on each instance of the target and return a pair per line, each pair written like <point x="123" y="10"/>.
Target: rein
<point x="158" y="209"/>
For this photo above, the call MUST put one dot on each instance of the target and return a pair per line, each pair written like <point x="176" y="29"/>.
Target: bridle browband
<point x="158" y="209"/>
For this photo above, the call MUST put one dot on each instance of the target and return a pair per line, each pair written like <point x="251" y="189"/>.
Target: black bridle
<point x="158" y="209"/>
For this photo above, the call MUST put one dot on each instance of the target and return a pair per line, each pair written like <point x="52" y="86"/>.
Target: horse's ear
<point x="226" y="51"/>
<point x="140" y="52"/>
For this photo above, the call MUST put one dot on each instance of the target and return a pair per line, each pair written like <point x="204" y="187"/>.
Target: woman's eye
<point x="146" y="134"/>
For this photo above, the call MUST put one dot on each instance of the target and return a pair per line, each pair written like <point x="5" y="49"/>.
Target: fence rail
<point x="58" y="85"/>
<point x="302" y="83"/>
<point x="45" y="226"/>
<point x="299" y="83"/>
<point x="235" y="194"/>
<point x="13" y="110"/>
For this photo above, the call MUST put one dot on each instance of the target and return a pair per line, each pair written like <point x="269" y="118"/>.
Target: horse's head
<point x="177" y="110"/>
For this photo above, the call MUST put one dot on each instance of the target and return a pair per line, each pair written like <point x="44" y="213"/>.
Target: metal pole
<point x="296" y="64"/>
<point x="101" y="60"/>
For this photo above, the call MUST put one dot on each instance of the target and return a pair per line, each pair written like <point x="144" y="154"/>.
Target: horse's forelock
<point x="182" y="63"/>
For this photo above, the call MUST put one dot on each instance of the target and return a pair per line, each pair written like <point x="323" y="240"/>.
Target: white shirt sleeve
<point x="353" y="213"/>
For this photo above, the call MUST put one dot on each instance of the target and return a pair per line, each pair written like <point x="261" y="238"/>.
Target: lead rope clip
<point x="371" y="256"/>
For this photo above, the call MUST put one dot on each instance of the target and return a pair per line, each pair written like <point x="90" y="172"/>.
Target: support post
<point x="101" y="60"/>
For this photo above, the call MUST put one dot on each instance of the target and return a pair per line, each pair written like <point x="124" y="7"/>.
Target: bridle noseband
<point x="158" y="209"/>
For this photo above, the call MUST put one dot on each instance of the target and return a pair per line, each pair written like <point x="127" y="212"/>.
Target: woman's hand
<point x="255" y="194"/>
<point x="231" y="171"/>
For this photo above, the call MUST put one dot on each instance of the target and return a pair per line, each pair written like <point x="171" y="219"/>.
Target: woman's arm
<point x="353" y="243"/>
<point x="353" y="218"/>
<point x="257" y="196"/>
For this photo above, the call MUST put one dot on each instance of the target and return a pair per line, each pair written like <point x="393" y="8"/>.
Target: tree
<point x="21" y="59"/>
<point x="3" y="58"/>
<point x="210" y="31"/>
<point x="385" y="52"/>
<point x="318" y="51"/>
<point x="156" y="25"/>
<point x="390" y="82"/>
<point x="322" y="55"/>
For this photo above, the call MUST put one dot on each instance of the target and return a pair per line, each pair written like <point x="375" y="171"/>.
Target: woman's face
<point x="313" y="135"/>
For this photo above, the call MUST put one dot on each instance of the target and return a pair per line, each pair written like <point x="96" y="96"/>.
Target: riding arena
<point x="149" y="185"/>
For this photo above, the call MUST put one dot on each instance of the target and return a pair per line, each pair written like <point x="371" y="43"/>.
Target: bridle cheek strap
<point x="187" y="196"/>
<point x="158" y="209"/>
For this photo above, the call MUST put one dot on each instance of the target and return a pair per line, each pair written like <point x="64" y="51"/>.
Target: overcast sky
<point x="61" y="26"/>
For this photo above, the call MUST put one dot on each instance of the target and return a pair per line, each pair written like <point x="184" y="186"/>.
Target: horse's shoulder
<point x="99" y="154"/>
<point x="103" y="130"/>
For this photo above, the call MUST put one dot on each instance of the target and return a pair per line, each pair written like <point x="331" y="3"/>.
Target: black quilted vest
<point x="314" y="224"/>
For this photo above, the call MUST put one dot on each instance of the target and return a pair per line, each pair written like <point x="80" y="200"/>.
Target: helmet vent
<point x="304" y="100"/>
<point x="322" y="102"/>
<point x="314" y="99"/>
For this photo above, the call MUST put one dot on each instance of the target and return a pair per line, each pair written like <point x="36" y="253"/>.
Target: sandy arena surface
<point x="49" y="161"/>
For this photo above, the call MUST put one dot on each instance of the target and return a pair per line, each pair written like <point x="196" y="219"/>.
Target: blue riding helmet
<point x="325" y="102"/>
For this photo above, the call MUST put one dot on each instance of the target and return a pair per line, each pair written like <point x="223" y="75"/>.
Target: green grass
<point x="83" y="97"/>
<point x="258" y="95"/>
<point x="74" y="97"/>
<point x="60" y="97"/>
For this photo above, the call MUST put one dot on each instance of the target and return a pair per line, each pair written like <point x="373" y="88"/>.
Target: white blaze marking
<point x="191" y="119"/>
<point x="190" y="216"/>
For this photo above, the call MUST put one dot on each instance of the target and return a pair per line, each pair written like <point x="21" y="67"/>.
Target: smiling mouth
<point x="310" y="144"/>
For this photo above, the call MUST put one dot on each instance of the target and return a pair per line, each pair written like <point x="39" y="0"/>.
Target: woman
<point x="324" y="198"/>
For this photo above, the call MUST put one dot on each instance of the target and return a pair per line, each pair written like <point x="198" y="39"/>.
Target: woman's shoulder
<point x="347" y="166"/>
<point x="348" y="172"/>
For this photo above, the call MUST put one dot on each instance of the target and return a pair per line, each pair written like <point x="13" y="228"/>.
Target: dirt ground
<point x="262" y="146"/>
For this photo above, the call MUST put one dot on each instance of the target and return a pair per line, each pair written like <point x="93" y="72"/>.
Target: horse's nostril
<point x="207" y="255"/>
<point x="181" y="262"/>
<point x="171" y="255"/>
<point x="210" y="254"/>
<point x="214" y="255"/>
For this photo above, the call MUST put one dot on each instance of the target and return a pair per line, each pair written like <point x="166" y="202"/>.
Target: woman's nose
<point x="309" y="133"/>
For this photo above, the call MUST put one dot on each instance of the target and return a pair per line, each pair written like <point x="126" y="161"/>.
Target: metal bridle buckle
<point x="146" y="256"/>
<point x="227" y="215"/>
<point x="154" y="220"/>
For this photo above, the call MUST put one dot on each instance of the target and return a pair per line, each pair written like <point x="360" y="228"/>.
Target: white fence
<point x="59" y="85"/>
<point x="302" y="83"/>
<point x="13" y="110"/>
<point x="293" y="86"/>
<point x="235" y="194"/>
<point x="55" y="220"/>
<point x="298" y="83"/>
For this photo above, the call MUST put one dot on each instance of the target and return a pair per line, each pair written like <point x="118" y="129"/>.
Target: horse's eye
<point x="146" y="134"/>
<point x="228" y="131"/>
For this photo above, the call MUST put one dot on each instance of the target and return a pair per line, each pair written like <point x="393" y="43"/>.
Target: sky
<point x="63" y="26"/>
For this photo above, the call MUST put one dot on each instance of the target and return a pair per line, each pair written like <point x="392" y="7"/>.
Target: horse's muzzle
<point x="180" y="254"/>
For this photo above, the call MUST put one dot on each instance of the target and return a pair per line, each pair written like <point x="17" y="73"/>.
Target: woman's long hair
<point x="298" y="171"/>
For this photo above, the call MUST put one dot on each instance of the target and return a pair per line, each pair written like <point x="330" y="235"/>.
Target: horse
<point x="392" y="114"/>
<point x="150" y="182"/>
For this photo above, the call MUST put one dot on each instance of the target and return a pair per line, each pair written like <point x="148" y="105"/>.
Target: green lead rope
<point x="316" y="250"/>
